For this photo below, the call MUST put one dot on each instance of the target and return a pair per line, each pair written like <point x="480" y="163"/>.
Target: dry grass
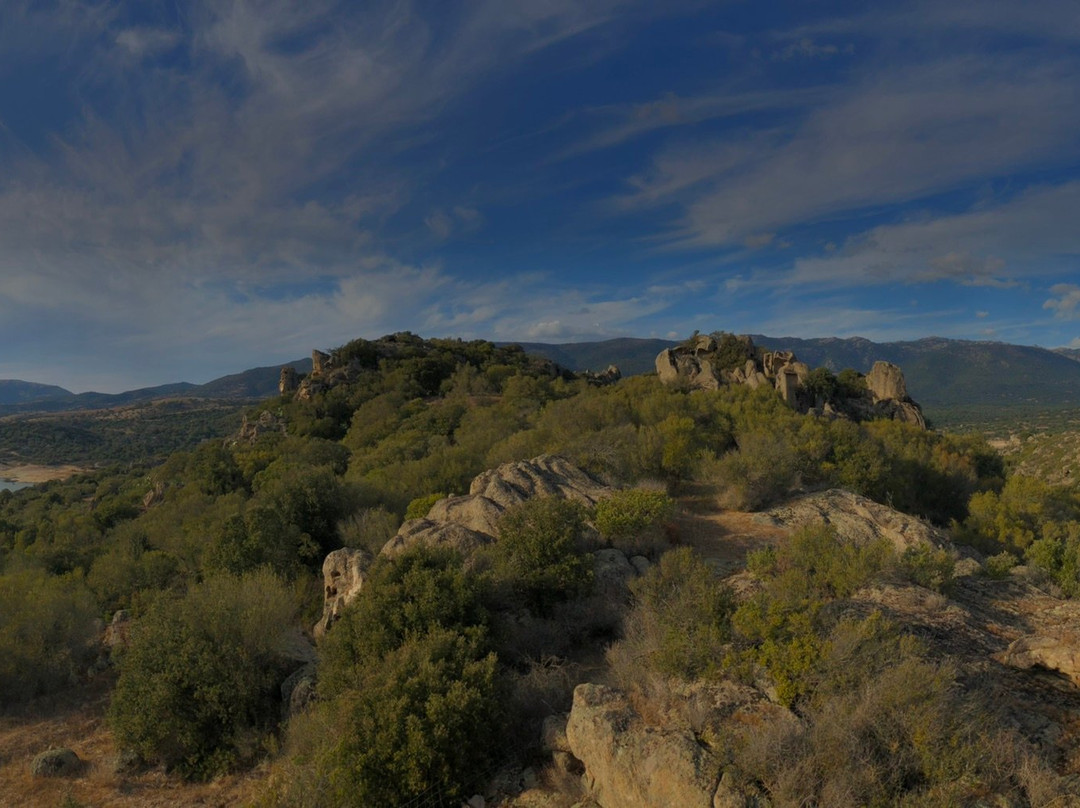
<point x="76" y="719"/>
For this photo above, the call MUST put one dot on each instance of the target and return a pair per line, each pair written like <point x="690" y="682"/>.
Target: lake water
<point x="11" y="485"/>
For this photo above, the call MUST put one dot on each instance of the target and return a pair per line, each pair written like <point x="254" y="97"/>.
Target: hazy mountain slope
<point x="632" y="355"/>
<point x="940" y="373"/>
<point x="14" y="391"/>
<point x="1071" y="353"/>
<point x="256" y="383"/>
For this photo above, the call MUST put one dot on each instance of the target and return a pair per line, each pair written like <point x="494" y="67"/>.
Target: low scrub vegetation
<point x="218" y="549"/>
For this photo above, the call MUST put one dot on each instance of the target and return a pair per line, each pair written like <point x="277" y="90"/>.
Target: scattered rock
<point x="298" y="690"/>
<point x="694" y="365"/>
<point x="641" y="564"/>
<point x="61" y="762"/>
<point x="1057" y="652"/>
<point x="251" y="431"/>
<point x="612" y="572"/>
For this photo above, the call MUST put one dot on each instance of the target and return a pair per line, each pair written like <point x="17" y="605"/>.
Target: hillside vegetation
<point x="441" y="672"/>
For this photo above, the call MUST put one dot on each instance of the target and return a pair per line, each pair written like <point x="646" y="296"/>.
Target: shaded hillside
<point x="1071" y="353"/>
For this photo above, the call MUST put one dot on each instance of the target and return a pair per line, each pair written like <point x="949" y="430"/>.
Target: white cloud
<point x="1066" y="301"/>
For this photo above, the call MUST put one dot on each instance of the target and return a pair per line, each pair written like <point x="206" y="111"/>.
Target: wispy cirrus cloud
<point x="900" y="136"/>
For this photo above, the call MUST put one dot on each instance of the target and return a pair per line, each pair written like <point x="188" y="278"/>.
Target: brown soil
<point x="29" y="473"/>
<point x="76" y="720"/>
<point x="721" y="537"/>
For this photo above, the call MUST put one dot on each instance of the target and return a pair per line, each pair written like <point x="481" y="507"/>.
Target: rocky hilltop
<point x="707" y="362"/>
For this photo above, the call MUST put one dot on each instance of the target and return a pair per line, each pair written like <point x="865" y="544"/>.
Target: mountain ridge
<point x="941" y="373"/>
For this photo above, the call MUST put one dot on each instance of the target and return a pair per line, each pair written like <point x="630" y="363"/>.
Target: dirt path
<point x="721" y="537"/>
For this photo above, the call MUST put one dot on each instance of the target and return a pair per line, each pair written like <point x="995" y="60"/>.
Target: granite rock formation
<point x="703" y="363"/>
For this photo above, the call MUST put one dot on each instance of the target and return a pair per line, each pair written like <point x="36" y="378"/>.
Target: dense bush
<point x="634" y="519"/>
<point x="539" y="557"/>
<point x="679" y="624"/>
<point x="403" y="598"/>
<point x="198" y="685"/>
<point x="423" y="719"/>
<point x="47" y="632"/>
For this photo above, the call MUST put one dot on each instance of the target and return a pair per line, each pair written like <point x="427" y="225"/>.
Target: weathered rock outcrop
<point x="543" y="476"/>
<point x="428" y="533"/>
<point x="266" y="423"/>
<point x="703" y="364"/>
<point x="609" y="375"/>
<point x="1058" y="651"/>
<point x="631" y="765"/>
<point x="288" y="381"/>
<point x="463" y="523"/>
<point x="343" y="578"/>
<point x="856" y="519"/>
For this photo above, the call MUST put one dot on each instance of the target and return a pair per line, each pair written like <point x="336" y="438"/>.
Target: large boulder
<point x="856" y="519"/>
<point x="425" y="532"/>
<point x="60" y="762"/>
<point x="886" y="381"/>
<point x="343" y="578"/>
<point x="475" y="511"/>
<point x="1058" y="651"/>
<point x="544" y="476"/>
<point x="687" y="365"/>
<point x="631" y="765"/>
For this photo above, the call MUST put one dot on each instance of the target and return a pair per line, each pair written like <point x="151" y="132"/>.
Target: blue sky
<point x="189" y="189"/>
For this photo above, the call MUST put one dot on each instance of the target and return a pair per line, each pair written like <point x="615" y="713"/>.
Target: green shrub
<point x="198" y="685"/>
<point x="539" y="556"/>
<point x="423" y="724"/>
<point x="928" y="566"/>
<point x="47" y="632"/>
<point x="420" y="506"/>
<point x="634" y="519"/>
<point x="403" y="597"/>
<point x="679" y="623"/>
<point x="999" y="566"/>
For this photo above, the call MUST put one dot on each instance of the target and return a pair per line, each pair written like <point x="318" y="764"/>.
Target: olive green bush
<point x="539" y="559"/>
<point x="198" y="685"/>
<point x="679" y="624"/>
<point x="47" y="633"/>
<point x="634" y="519"/>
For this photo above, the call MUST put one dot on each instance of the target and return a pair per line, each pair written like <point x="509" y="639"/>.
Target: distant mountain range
<point x="256" y="384"/>
<point x="943" y="375"/>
